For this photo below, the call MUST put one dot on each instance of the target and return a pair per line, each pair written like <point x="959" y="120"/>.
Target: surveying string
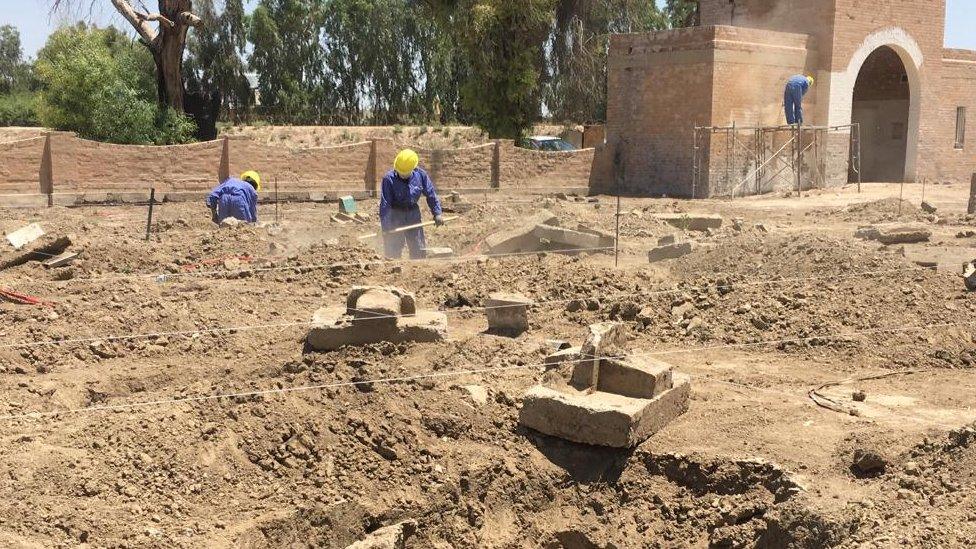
<point x="454" y="373"/>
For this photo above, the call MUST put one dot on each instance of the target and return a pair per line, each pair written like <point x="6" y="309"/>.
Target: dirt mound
<point x="879" y="211"/>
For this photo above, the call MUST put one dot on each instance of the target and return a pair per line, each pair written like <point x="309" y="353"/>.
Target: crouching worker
<point x="237" y="198"/>
<point x="399" y="197"/>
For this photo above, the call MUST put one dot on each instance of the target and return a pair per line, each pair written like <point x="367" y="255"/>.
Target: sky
<point x="31" y="17"/>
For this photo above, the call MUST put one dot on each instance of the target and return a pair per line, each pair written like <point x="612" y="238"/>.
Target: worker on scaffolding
<point x="399" y="197"/>
<point x="796" y="87"/>
<point x="237" y="198"/>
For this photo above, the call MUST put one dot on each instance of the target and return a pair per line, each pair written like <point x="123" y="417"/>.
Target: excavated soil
<point x="161" y="395"/>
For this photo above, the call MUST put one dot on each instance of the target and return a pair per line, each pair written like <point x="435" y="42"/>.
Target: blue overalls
<point x="796" y="88"/>
<point x="234" y="198"/>
<point x="399" y="207"/>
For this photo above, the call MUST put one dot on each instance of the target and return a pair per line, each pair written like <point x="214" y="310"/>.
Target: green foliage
<point x="215" y="55"/>
<point x="682" y="13"/>
<point x="18" y="109"/>
<point x="99" y="83"/>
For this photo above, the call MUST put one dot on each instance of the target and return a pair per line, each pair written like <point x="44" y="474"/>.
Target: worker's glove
<point x="438" y="220"/>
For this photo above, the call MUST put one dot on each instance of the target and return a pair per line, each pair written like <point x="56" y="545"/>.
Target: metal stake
<point x="616" y="238"/>
<point x="152" y="201"/>
<point x="277" y="217"/>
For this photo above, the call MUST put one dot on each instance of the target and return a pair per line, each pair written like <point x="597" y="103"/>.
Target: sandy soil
<point x="164" y="398"/>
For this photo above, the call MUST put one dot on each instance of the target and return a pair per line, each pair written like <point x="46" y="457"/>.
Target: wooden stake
<point x="152" y="201"/>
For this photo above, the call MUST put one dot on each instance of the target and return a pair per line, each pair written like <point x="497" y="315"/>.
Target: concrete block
<point x="603" y="419"/>
<point x="333" y="329"/>
<point x="691" y="221"/>
<point x="424" y="327"/>
<point x="408" y="304"/>
<point x="669" y="251"/>
<point x="635" y="377"/>
<point x="520" y="238"/>
<point x="61" y="260"/>
<point x="25" y="235"/>
<point x="604" y="339"/>
<point x="507" y="313"/>
<point x="377" y="307"/>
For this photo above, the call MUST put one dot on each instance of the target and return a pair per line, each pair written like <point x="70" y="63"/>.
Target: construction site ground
<point x="162" y="395"/>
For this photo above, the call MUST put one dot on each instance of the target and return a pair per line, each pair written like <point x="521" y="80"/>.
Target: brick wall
<point x="538" y="170"/>
<point x="958" y="90"/>
<point x="469" y="167"/>
<point x="336" y="168"/>
<point x="79" y="166"/>
<point x="20" y="165"/>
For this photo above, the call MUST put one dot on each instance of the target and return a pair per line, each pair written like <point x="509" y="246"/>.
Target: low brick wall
<point x="20" y="166"/>
<point x="527" y="169"/>
<point x="75" y="167"/>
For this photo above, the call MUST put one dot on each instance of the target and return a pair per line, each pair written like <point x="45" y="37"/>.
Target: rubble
<point x="371" y="315"/>
<point x="394" y="536"/>
<point x="669" y="247"/>
<point x="894" y="233"/>
<point x="46" y="249"/>
<point x="691" y="221"/>
<point x="439" y="253"/>
<point x="615" y="402"/>
<point x="543" y="232"/>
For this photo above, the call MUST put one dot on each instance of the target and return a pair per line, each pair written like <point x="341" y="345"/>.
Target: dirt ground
<point x="164" y="398"/>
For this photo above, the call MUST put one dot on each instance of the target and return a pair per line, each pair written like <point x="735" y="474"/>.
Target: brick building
<point x="878" y="63"/>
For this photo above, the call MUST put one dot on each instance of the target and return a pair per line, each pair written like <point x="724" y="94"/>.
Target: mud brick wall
<point x="537" y="170"/>
<point x="459" y="168"/>
<point x="81" y="166"/>
<point x="336" y="168"/>
<point x="20" y="166"/>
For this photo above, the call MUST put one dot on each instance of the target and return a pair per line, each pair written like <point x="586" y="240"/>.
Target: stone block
<point x="604" y="339"/>
<point x="333" y="329"/>
<point x="691" y="221"/>
<point x="423" y="327"/>
<point x="408" y="304"/>
<point x="603" y="419"/>
<point x="634" y="376"/>
<point x="564" y="357"/>
<point x="25" y="235"/>
<point x="347" y="205"/>
<point x="439" y="253"/>
<point x="520" y="238"/>
<point x="507" y="313"/>
<point x="669" y="251"/>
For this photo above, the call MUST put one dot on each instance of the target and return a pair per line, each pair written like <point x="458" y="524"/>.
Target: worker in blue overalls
<point x="237" y="198"/>
<point x="796" y="87"/>
<point x="399" y="197"/>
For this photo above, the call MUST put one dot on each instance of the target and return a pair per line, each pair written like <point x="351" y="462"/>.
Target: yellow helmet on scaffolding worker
<point x="810" y="80"/>
<point x="252" y="177"/>
<point x="406" y="162"/>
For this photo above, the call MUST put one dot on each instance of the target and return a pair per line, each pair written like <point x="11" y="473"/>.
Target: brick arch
<point x="842" y="85"/>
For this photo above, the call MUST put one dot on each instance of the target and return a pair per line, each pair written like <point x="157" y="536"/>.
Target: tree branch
<point x="156" y="17"/>
<point x="189" y="19"/>
<point x="141" y="25"/>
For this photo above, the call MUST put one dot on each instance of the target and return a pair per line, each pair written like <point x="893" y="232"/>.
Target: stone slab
<point x="520" y="238"/>
<point x="25" y="235"/>
<point x="568" y="238"/>
<point x="895" y="233"/>
<point x="507" y="313"/>
<point x="333" y="329"/>
<point x="669" y="251"/>
<point x="603" y="419"/>
<point x="691" y="221"/>
<point x="61" y="260"/>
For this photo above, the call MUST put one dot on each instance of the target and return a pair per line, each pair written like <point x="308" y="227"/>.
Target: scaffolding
<point x="740" y="160"/>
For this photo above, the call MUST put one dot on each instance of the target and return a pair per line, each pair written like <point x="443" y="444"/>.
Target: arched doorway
<point x="882" y="102"/>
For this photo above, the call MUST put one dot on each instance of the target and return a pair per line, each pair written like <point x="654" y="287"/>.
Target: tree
<point x="98" y="83"/>
<point x="11" y="57"/>
<point x="215" y="56"/>
<point x="166" y="42"/>
<point x="578" y="52"/>
<point x="502" y="42"/>
<point x="682" y="13"/>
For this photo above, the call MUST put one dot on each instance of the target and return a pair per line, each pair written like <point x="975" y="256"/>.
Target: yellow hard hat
<point x="252" y="177"/>
<point x="406" y="162"/>
<point x="810" y="80"/>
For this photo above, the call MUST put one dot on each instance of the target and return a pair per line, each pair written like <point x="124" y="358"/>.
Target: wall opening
<point x="881" y="104"/>
<point x="960" y="127"/>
